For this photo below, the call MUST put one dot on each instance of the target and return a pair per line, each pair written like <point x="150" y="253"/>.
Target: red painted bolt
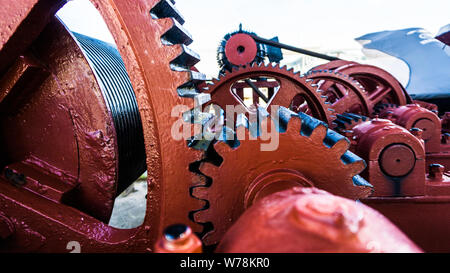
<point x="436" y="171"/>
<point x="389" y="115"/>
<point x="178" y="238"/>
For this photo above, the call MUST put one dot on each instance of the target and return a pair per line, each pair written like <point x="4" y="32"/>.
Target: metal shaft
<point x="292" y="48"/>
<point x="256" y="89"/>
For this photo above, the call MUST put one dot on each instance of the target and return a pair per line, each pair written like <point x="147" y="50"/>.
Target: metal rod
<point x="292" y="48"/>
<point x="256" y="89"/>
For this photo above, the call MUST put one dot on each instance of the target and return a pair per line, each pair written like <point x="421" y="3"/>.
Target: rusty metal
<point x="310" y="220"/>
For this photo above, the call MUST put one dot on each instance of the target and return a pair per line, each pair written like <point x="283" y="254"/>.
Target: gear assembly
<point x="361" y="165"/>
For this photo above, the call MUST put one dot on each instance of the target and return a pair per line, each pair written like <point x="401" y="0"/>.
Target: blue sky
<point x="324" y="24"/>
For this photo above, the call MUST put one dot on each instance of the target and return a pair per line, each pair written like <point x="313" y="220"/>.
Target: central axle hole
<point x="241" y="49"/>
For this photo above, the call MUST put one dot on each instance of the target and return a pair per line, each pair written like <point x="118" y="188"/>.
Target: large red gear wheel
<point x="294" y="90"/>
<point x="380" y="85"/>
<point x="345" y="94"/>
<point x="309" y="154"/>
<point x="152" y="44"/>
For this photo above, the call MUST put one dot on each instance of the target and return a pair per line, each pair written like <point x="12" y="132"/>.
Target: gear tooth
<point x="345" y="118"/>
<point x="201" y="202"/>
<point x="365" y="189"/>
<point x="201" y="99"/>
<point x="198" y="143"/>
<point x="350" y="158"/>
<point x="229" y="137"/>
<point x="310" y="124"/>
<point x="176" y="34"/>
<point x="186" y="59"/>
<point x="196" y="227"/>
<point x="254" y="129"/>
<point x="338" y="143"/>
<point x="189" y="89"/>
<point x="195" y="116"/>
<point x="318" y="133"/>
<point x="262" y="112"/>
<point x="210" y="238"/>
<point x="293" y="125"/>
<point x="166" y="9"/>
<point x="200" y="192"/>
<point x="256" y="119"/>
<point x="242" y="132"/>
<point x="201" y="216"/>
<point x="355" y="117"/>
<point x="359" y="181"/>
<point x="209" y="169"/>
<point x="241" y="121"/>
<point x="282" y="117"/>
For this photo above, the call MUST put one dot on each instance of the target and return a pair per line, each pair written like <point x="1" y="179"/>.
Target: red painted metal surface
<point x="310" y="220"/>
<point x="345" y="94"/>
<point x="414" y="116"/>
<point x="294" y="90"/>
<point x="41" y="221"/>
<point x="412" y="192"/>
<point x="49" y="134"/>
<point x="241" y="49"/>
<point x="433" y="129"/>
<point x="59" y="147"/>
<point x="379" y="85"/>
<point x="395" y="158"/>
<point x="299" y="160"/>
